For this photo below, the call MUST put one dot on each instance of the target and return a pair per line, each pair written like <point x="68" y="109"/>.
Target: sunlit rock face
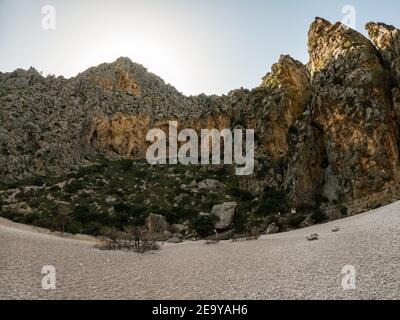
<point x="288" y="91"/>
<point x="121" y="134"/>
<point x="270" y="109"/>
<point x="352" y="104"/>
<point x="387" y="41"/>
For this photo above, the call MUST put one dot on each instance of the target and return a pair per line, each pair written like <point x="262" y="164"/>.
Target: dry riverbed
<point x="281" y="266"/>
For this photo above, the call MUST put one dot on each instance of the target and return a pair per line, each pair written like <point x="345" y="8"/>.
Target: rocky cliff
<point x="326" y="129"/>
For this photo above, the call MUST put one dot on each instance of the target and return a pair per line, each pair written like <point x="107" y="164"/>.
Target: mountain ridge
<point x="329" y="128"/>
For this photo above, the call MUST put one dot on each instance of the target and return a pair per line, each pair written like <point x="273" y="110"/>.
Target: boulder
<point x="156" y="223"/>
<point x="313" y="237"/>
<point x="225" y="213"/>
<point x="174" y="240"/>
<point x="335" y="229"/>
<point x="273" y="228"/>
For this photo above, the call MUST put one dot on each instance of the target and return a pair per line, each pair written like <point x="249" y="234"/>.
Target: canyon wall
<point x="326" y="129"/>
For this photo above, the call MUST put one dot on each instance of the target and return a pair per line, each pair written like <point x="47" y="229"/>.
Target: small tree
<point x="343" y="211"/>
<point x="132" y="238"/>
<point x="63" y="217"/>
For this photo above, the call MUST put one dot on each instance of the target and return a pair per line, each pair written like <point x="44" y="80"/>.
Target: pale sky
<point x="198" y="46"/>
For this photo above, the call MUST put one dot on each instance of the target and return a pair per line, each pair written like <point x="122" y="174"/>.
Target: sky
<point x="198" y="46"/>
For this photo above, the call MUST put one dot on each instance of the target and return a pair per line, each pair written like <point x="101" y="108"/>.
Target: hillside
<point x="326" y="133"/>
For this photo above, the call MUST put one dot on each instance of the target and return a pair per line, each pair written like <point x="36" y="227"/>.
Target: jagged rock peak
<point x="379" y="25"/>
<point x="327" y="41"/>
<point x="125" y="76"/>
<point x="287" y="72"/>
<point x="384" y="37"/>
<point x="387" y="40"/>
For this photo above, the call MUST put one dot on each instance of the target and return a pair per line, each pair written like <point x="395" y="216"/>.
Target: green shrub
<point x="176" y="215"/>
<point x="295" y="220"/>
<point x="240" y="220"/>
<point x="319" y="216"/>
<point x="343" y="211"/>
<point x="36" y="181"/>
<point x="129" y="214"/>
<point x="84" y="214"/>
<point x="272" y="201"/>
<point x="90" y="170"/>
<point x="29" y="218"/>
<point x="242" y="195"/>
<point x="3" y="92"/>
<point x="204" y="225"/>
<point x="123" y="165"/>
<point x="73" y="186"/>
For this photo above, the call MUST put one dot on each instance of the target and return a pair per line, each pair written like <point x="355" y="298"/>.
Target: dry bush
<point x="132" y="238"/>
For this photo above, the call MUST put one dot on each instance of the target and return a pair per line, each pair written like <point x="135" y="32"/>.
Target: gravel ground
<point x="281" y="266"/>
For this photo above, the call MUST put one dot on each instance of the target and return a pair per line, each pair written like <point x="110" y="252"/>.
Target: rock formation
<point x="352" y="105"/>
<point x="329" y="128"/>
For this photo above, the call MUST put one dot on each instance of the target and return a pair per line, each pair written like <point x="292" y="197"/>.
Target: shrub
<point x="273" y="201"/>
<point x="319" y="216"/>
<point x="90" y="170"/>
<point x="343" y="211"/>
<point x="3" y="92"/>
<point x="63" y="217"/>
<point x="85" y="219"/>
<point x="376" y="206"/>
<point x="36" y="181"/>
<point x="204" y="225"/>
<point x="243" y="195"/>
<point x="240" y="220"/>
<point x="124" y="165"/>
<point x="319" y="199"/>
<point x="73" y="186"/>
<point x="294" y="220"/>
<point x="133" y="214"/>
<point x="29" y="218"/>
<point x="132" y="238"/>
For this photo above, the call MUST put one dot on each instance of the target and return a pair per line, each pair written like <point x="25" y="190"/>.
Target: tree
<point x="63" y="217"/>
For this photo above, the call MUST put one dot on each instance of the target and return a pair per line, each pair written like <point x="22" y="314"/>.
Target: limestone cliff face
<point x="353" y="106"/>
<point x="287" y="91"/>
<point x="270" y="109"/>
<point x="387" y="41"/>
<point x="306" y="161"/>
<point x="327" y="128"/>
<point x="121" y="134"/>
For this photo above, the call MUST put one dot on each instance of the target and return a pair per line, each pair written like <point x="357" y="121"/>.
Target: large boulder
<point x="156" y="223"/>
<point x="225" y="213"/>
